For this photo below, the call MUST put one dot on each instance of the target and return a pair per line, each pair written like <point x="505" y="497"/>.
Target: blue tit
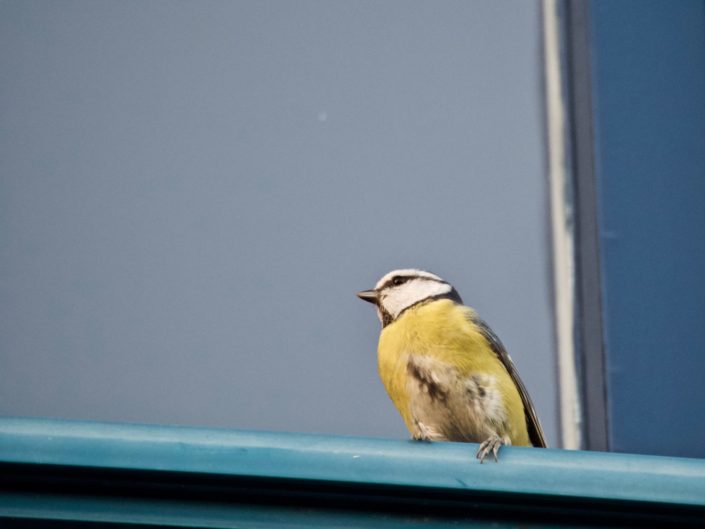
<point x="445" y="370"/>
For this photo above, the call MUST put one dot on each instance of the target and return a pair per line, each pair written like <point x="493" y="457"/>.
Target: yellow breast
<point x="443" y="330"/>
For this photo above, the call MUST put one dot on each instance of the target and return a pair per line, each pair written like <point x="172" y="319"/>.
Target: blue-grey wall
<point x="191" y="193"/>
<point x="649" y="93"/>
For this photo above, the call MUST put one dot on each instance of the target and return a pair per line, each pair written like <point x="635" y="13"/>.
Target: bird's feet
<point x="422" y="432"/>
<point x="493" y="445"/>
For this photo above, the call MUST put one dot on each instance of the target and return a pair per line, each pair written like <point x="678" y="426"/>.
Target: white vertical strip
<point x="560" y="177"/>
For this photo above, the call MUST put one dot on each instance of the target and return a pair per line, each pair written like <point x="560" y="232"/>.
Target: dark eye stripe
<point x="390" y="281"/>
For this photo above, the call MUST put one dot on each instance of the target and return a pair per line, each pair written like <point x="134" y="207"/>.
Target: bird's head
<point x="400" y="289"/>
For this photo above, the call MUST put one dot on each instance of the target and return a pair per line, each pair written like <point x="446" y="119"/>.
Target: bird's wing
<point x="533" y="425"/>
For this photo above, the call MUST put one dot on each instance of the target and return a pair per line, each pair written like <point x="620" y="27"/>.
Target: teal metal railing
<point x="100" y="473"/>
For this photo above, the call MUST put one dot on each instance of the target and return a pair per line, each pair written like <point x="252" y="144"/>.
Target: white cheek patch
<point x="396" y="299"/>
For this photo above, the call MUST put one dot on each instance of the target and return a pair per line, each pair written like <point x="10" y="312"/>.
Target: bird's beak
<point x="370" y="296"/>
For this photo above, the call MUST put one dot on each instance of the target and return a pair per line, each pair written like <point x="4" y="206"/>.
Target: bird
<point x="445" y="370"/>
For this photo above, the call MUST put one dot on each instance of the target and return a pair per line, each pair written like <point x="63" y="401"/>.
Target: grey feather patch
<point x="452" y="407"/>
<point x="428" y="381"/>
<point x="533" y="425"/>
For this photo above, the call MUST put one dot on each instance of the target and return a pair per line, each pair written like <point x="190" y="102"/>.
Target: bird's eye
<point x="398" y="280"/>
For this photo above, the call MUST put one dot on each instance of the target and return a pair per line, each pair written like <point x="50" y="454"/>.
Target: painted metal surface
<point x="648" y="93"/>
<point x="383" y="472"/>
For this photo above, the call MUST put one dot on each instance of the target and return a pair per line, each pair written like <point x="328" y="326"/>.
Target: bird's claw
<point x="421" y="432"/>
<point x="493" y="445"/>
